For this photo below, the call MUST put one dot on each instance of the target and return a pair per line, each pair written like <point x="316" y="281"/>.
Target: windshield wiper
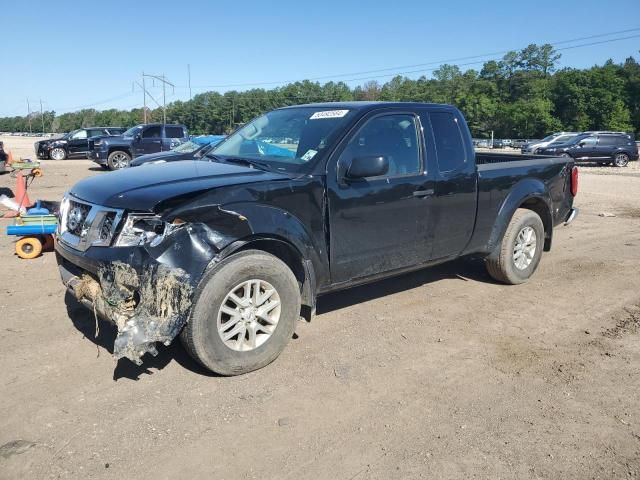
<point x="247" y="161"/>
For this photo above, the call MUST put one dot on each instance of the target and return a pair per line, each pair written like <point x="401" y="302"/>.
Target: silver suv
<point x="558" y="137"/>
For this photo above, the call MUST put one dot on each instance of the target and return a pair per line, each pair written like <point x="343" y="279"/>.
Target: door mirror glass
<point x="369" y="166"/>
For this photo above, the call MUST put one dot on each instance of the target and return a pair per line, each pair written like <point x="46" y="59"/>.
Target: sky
<point x="89" y="54"/>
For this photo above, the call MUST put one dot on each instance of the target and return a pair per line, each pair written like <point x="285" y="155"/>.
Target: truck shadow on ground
<point x="105" y="333"/>
<point x="463" y="269"/>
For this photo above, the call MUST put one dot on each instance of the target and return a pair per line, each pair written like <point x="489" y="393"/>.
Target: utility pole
<point x="144" y="96"/>
<point x="42" y="115"/>
<point x="189" y="74"/>
<point x="165" y="82"/>
<point x="29" y="115"/>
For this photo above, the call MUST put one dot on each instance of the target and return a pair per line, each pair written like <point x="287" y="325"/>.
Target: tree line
<point x="523" y="95"/>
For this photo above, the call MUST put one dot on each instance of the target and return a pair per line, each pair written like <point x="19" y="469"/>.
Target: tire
<point x="28" y="247"/>
<point x="58" y="153"/>
<point x="201" y="335"/>
<point x="621" y="160"/>
<point x="118" y="159"/>
<point x="47" y="243"/>
<point x="504" y="265"/>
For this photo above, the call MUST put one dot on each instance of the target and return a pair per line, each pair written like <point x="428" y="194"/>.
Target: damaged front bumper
<point x="146" y="293"/>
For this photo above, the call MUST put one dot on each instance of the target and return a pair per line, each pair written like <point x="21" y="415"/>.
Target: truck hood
<point x="167" y="156"/>
<point x="143" y="188"/>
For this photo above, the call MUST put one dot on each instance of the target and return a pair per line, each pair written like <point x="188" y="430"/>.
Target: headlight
<point x="97" y="142"/>
<point x="142" y="230"/>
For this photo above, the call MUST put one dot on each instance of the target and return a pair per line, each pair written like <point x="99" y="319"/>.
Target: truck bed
<point x="502" y="174"/>
<point x="483" y="158"/>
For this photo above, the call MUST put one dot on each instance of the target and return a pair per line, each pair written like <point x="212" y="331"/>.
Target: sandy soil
<point x="437" y="374"/>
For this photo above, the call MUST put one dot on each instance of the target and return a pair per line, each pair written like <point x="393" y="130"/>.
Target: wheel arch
<point x="125" y="149"/>
<point x="286" y="251"/>
<point x="532" y="195"/>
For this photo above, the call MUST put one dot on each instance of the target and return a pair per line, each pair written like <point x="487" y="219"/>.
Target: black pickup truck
<point x="73" y="144"/>
<point x="302" y="201"/>
<point x="114" y="153"/>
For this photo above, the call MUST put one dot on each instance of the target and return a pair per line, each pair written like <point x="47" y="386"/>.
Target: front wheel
<point x="621" y="160"/>
<point x="118" y="160"/>
<point x="244" y="313"/>
<point x="518" y="255"/>
<point x="58" y="154"/>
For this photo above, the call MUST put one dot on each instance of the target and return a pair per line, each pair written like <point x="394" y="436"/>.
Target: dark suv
<point x="73" y="144"/>
<point x="114" y="153"/>
<point x="601" y="147"/>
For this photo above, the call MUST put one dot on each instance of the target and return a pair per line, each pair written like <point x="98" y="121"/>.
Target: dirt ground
<point x="438" y="374"/>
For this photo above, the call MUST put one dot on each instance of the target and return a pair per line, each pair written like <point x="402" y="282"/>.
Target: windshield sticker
<point x="329" y="114"/>
<point x="309" y="155"/>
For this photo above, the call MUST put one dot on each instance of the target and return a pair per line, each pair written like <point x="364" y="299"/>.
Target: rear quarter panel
<point x="504" y="186"/>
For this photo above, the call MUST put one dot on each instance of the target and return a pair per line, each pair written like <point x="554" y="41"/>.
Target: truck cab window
<point x="153" y="132"/>
<point x="448" y="141"/>
<point x="79" y="135"/>
<point x="393" y="136"/>
<point x="174" y="132"/>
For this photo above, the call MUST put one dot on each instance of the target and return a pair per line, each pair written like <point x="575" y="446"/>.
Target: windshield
<point x="290" y="139"/>
<point x="188" y="147"/>
<point x="563" y="139"/>
<point x="577" y="139"/>
<point x="549" y="138"/>
<point x="133" y="131"/>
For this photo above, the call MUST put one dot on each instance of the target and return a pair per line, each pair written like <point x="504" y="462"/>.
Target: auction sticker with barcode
<point x="329" y="114"/>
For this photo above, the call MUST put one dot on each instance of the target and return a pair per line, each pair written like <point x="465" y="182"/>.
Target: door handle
<point x="423" y="193"/>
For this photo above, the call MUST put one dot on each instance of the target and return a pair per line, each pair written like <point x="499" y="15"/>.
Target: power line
<point x="437" y="62"/>
<point x="393" y="70"/>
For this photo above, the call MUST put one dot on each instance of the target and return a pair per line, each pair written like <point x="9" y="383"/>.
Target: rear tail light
<point x="574" y="181"/>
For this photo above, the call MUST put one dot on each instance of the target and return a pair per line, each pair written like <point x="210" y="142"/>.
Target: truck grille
<point x="83" y="224"/>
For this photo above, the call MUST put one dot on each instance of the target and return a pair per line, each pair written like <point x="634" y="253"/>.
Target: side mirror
<point x="371" y="166"/>
<point x="138" y="137"/>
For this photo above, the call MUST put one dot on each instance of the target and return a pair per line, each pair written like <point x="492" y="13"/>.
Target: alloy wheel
<point x="525" y="248"/>
<point x="248" y="315"/>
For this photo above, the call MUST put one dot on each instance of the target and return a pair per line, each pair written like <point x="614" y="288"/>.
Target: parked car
<point x="225" y="252"/>
<point x="114" y="153"/>
<point x="605" y="148"/>
<point x="72" y="144"/>
<point x="497" y="143"/>
<point x="194" y="149"/>
<point x="559" y="137"/>
<point x="519" y="143"/>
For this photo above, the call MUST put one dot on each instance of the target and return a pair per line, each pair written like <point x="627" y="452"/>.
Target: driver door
<point x="78" y="143"/>
<point x="150" y="141"/>
<point x="379" y="224"/>
<point x="587" y="148"/>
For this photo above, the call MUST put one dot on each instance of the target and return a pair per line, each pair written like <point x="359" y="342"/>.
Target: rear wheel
<point x="621" y="160"/>
<point x="58" y="153"/>
<point x="118" y="160"/>
<point x="244" y="313"/>
<point x="518" y="255"/>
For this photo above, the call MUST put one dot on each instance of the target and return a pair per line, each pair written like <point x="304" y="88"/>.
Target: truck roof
<point x="368" y="105"/>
